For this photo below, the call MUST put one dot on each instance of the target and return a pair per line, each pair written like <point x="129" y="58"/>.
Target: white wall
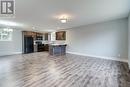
<point x="105" y="40"/>
<point x="129" y="38"/>
<point x="12" y="47"/>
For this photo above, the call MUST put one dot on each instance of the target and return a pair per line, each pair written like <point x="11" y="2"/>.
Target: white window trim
<point x="10" y="37"/>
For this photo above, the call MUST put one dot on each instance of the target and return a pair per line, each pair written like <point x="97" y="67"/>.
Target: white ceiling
<point x="43" y="14"/>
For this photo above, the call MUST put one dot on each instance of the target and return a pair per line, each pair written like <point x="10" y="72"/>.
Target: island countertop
<point x="58" y="44"/>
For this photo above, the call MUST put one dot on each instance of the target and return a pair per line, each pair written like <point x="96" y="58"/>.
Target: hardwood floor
<point x="42" y="70"/>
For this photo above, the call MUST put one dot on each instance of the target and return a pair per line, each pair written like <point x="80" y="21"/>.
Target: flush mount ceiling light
<point x="33" y="28"/>
<point x="63" y="19"/>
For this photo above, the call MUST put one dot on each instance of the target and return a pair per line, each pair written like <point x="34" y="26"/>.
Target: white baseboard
<point x="101" y="57"/>
<point x="9" y="53"/>
<point x="76" y="53"/>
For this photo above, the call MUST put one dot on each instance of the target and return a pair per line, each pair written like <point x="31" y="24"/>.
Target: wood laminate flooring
<point x="42" y="70"/>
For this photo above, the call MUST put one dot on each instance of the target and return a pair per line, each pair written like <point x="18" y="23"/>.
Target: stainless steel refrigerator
<point x="28" y="44"/>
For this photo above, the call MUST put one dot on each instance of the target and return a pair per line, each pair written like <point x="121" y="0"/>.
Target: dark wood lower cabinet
<point x="46" y="47"/>
<point x="42" y="47"/>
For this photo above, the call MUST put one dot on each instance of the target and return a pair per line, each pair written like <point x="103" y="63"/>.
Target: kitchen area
<point x="51" y="42"/>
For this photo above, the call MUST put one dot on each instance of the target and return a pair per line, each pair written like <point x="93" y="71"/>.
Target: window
<point x="6" y="34"/>
<point x="53" y="36"/>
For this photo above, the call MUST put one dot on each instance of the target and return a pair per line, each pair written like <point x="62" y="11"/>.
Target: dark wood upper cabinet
<point x="29" y="33"/>
<point x="46" y="36"/>
<point x="36" y="35"/>
<point x="61" y="35"/>
<point x="39" y="36"/>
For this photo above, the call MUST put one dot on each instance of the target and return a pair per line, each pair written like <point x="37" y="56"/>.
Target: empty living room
<point x="64" y="43"/>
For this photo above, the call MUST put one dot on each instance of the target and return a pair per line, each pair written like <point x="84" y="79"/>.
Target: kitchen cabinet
<point x="46" y="47"/>
<point x="37" y="39"/>
<point x="46" y="36"/>
<point x="39" y="36"/>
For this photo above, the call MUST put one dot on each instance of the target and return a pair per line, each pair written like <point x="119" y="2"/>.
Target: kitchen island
<point x="57" y="49"/>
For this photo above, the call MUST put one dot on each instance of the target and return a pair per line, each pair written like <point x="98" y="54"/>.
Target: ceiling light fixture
<point x="33" y="28"/>
<point x="63" y="19"/>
